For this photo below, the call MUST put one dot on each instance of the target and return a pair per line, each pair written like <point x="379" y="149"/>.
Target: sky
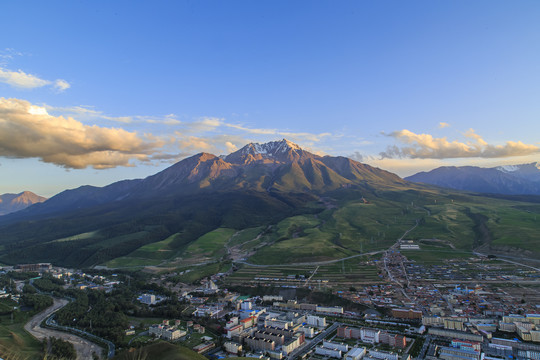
<point x="97" y="92"/>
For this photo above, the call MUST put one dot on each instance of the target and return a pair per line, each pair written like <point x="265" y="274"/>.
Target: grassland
<point x="245" y="235"/>
<point x="449" y="225"/>
<point x="195" y="273"/>
<point x="150" y="254"/>
<point x="15" y="342"/>
<point x="161" y="350"/>
<point x="210" y="246"/>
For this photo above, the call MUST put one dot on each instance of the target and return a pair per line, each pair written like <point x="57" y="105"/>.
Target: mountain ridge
<point x="520" y="179"/>
<point x="274" y="166"/>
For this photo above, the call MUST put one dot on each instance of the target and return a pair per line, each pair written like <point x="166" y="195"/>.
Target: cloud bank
<point x="425" y="146"/>
<point x="28" y="131"/>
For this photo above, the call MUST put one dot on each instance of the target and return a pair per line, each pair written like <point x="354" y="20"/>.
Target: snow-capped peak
<point x="270" y="148"/>
<point x="508" y="168"/>
<point x="274" y="151"/>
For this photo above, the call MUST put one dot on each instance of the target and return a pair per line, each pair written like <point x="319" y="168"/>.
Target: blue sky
<point x="95" y="92"/>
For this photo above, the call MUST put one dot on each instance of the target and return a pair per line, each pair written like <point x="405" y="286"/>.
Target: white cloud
<point x="21" y="80"/>
<point x="425" y="146"/>
<point x="443" y="125"/>
<point x="61" y="85"/>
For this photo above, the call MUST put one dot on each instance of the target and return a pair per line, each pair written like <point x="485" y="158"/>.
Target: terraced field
<point x="340" y="274"/>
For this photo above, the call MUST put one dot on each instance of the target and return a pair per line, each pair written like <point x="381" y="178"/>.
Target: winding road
<point x="83" y="347"/>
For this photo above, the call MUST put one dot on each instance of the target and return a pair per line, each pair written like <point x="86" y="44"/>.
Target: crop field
<point x="339" y="274"/>
<point x="430" y="255"/>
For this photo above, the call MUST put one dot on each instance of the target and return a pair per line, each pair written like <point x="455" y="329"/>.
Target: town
<point x="477" y="308"/>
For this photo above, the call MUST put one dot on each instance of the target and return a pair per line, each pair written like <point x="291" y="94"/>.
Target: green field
<point x="246" y="235"/>
<point x="195" y="273"/>
<point x="160" y="350"/>
<point x="15" y="342"/>
<point x="150" y="254"/>
<point x="210" y="245"/>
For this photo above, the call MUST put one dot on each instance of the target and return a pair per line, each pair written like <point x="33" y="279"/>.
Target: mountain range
<point x="301" y="206"/>
<point x="10" y="203"/>
<point x="278" y="166"/>
<point x="509" y="180"/>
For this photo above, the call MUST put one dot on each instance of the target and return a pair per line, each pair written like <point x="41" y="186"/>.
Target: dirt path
<point x="83" y="347"/>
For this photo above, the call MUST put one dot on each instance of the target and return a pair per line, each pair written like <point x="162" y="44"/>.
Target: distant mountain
<point x="14" y="202"/>
<point x="509" y="180"/>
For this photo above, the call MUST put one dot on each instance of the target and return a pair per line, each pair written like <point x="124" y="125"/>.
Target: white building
<point x="232" y="347"/>
<point x="246" y="305"/>
<point x="166" y="332"/>
<point x="355" y="354"/>
<point x="309" y="332"/>
<point x="377" y="354"/>
<point x="330" y="309"/>
<point x="316" y="321"/>
<point x="332" y="345"/>
<point x="149" y="299"/>
<point x="321" y="350"/>
<point x="370" y="335"/>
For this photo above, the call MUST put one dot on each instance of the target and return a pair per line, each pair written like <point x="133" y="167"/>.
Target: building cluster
<point x="473" y="338"/>
<point x="496" y="349"/>
<point x="293" y="304"/>
<point x="373" y="336"/>
<point x="151" y="299"/>
<point x="166" y="331"/>
<point x="211" y="311"/>
<point x="277" y="334"/>
<point x="526" y="327"/>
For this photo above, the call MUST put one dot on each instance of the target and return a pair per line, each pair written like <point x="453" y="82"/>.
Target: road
<point x="83" y="347"/>
<point x="502" y="258"/>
